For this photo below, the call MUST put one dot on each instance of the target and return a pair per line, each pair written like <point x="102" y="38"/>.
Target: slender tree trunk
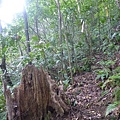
<point x="60" y="21"/>
<point x="3" y="64"/>
<point x="36" y="20"/>
<point x="26" y="31"/>
<point x="60" y="32"/>
<point x="69" y="59"/>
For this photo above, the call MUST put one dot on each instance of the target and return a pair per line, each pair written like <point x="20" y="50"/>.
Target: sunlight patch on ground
<point x="9" y="8"/>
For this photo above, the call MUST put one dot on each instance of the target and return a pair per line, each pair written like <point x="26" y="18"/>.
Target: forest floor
<point x="87" y="99"/>
<point x="85" y="96"/>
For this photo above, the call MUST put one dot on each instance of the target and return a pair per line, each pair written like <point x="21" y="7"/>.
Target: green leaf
<point x="35" y="38"/>
<point x="115" y="77"/>
<point x="66" y="82"/>
<point x="117" y="94"/>
<point x="114" y="35"/>
<point x="106" y="82"/>
<point x="116" y="70"/>
<point x="111" y="108"/>
<point x="47" y="45"/>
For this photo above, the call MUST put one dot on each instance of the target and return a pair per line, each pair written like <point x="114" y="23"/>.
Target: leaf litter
<point x="86" y="100"/>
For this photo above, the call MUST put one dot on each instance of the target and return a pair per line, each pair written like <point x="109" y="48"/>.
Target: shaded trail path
<point x="86" y="99"/>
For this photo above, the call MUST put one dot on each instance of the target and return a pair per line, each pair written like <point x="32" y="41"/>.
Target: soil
<point x="86" y="100"/>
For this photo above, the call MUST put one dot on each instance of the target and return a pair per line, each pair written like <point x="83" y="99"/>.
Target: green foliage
<point x="105" y="72"/>
<point x="111" y="107"/>
<point x="86" y="64"/>
<point x="117" y="94"/>
<point x="102" y="74"/>
<point x="2" y="104"/>
<point x="66" y="83"/>
<point x="87" y="27"/>
<point x="107" y="63"/>
<point x="3" y="115"/>
<point x="114" y="82"/>
<point x="116" y="70"/>
<point x="111" y="80"/>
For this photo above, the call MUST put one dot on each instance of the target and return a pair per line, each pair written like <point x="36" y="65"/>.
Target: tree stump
<point x="33" y="97"/>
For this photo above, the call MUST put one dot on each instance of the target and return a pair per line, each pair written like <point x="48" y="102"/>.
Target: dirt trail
<point x="85" y="98"/>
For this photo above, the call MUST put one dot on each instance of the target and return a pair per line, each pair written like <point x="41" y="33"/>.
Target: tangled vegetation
<point x="67" y="37"/>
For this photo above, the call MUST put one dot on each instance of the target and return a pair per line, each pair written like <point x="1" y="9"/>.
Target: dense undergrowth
<point x="67" y="38"/>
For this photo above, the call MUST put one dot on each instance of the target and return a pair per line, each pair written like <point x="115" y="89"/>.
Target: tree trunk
<point x="34" y="96"/>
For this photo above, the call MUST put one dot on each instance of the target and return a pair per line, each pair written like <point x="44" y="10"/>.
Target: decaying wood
<point x="56" y="98"/>
<point x="33" y="97"/>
